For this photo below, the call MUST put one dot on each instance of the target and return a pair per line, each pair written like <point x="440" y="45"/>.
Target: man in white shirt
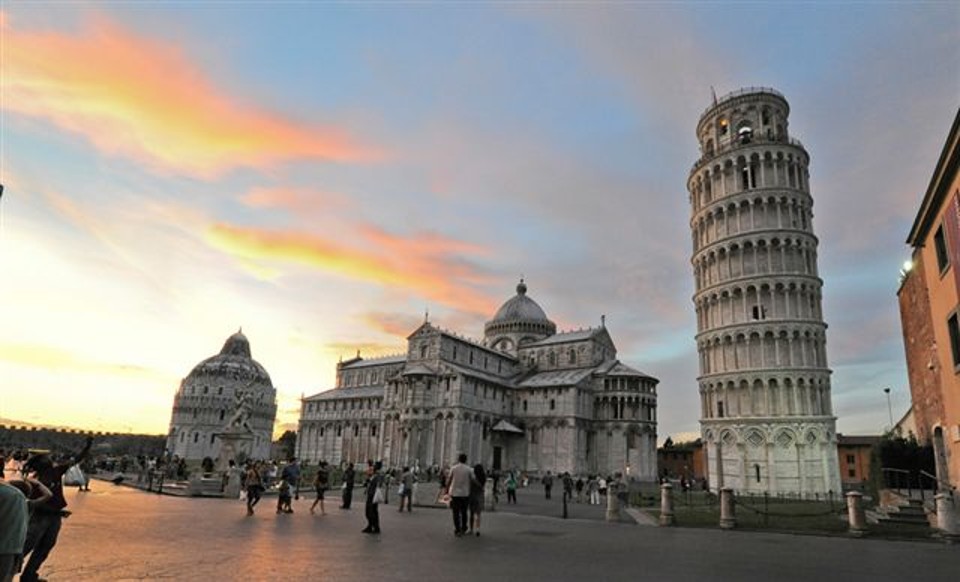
<point x="459" y="491"/>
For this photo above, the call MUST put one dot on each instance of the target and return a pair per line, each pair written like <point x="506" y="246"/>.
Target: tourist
<point x="458" y="488"/>
<point x="348" y="477"/>
<point x="284" y="497"/>
<point x="593" y="490"/>
<point x="567" y="487"/>
<point x="579" y="486"/>
<point x="547" y="481"/>
<point x="476" y="497"/>
<point x="373" y="500"/>
<point x="254" y="484"/>
<point x="47" y="518"/>
<point x="387" y="481"/>
<point x="407" y="480"/>
<point x="291" y="474"/>
<point x="320" y="483"/>
<point x="511" y="488"/>
<point x="602" y="485"/>
<point x="13" y="530"/>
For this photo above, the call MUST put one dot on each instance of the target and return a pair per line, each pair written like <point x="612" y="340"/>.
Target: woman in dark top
<point x="476" y="497"/>
<point x="372" y="505"/>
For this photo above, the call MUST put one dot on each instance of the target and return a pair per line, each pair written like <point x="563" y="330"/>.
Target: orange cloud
<point x="398" y="324"/>
<point x="298" y="200"/>
<point x="145" y="100"/>
<point x="423" y="264"/>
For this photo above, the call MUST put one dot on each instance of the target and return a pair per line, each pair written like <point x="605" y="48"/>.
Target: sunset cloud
<point x="144" y="100"/>
<point x="426" y="265"/>
<point x="396" y="324"/>
<point x="54" y="358"/>
<point x="294" y="200"/>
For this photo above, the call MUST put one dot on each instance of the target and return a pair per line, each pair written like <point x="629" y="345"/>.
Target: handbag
<point x="400" y="489"/>
<point x="378" y="496"/>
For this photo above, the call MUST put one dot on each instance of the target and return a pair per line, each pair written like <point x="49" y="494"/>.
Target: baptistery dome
<point x="234" y="361"/>
<point x="210" y="396"/>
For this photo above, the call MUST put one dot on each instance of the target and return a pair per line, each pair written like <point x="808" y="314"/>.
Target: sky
<point x="324" y="174"/>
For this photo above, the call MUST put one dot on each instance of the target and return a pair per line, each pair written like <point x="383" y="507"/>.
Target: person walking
<point x="407" y="480"/>
<point x="476" y="497"/>
<point x="254" y="484"/>
<point x="47" y="519"/>
<point x="567" y="487"/>
<point x="291" y="474"/>
<point x="511" y="485"/>
<point x="593" y="490"/>
<point x="373" y="500"/>
<point x="547" y="484"/>
<point x="320" y="484"/>
<point x="348" y="477"/>
<point x="459" y="490"/>
<point x="579" y="486"/>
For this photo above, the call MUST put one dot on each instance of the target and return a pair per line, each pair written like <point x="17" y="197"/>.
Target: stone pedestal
<point x="728" y="518"/>
<point x="232" y="442"/>
<point x="855" y="515"/>
<point x="947" y="518"/>
<point x="232" y="488"/>
<point x="666" y="505"/>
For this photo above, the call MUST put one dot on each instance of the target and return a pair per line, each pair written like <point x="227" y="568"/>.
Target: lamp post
<point x="889" y="409"/>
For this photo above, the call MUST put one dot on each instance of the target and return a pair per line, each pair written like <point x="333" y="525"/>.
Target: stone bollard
<point x="666" y="505"/>
<point x="613" y="503"/>
<point x="858" y="522"/>
<point x="947" y="518"/>
<point x="728" y="519"/>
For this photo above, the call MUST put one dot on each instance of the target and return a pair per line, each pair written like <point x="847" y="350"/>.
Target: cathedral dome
<point x="520" y="307"/>
<point x="234" y="361"/>
<point x="521" y="317"/>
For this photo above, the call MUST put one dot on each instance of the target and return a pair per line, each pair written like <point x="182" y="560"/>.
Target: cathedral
<point x="524" y="397"/>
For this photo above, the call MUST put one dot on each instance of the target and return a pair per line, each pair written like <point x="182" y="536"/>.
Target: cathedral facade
<point x="525" y="397"/>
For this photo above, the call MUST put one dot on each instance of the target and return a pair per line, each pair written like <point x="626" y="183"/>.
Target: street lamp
<point x="889" y="409"/>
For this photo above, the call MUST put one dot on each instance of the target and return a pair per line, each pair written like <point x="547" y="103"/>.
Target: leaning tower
<point x="766" y="419"/>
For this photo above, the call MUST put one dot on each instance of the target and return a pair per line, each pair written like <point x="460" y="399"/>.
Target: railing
<point x="899" y="479"/>
<point x="938" y="485"/>
<point x="743" y="91"/>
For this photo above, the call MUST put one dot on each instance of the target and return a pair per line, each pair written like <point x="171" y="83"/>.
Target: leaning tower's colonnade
<point x="766" y="416"/>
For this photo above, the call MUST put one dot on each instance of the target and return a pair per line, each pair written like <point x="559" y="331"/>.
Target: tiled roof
<point x="354" y="392"/>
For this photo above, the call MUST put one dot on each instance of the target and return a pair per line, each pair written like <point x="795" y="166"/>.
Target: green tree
<point x="288" y="443"/>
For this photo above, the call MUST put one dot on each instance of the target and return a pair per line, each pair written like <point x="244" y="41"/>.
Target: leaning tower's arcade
<point x="766" y="417"/>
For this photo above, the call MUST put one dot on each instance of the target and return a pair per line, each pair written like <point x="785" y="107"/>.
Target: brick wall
<point x="923" y="365"/>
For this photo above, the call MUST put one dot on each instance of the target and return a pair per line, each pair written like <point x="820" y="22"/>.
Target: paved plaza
<point x="121" y="533"/>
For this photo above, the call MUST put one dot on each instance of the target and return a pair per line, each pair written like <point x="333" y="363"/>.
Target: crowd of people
<point x="32" y="510"/>
<point x="32" y="503"/>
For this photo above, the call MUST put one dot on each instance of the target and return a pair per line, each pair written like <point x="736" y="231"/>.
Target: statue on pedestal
<point x="237" y="433"/>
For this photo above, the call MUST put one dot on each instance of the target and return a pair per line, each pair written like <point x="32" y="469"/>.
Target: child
<point x="285" y="497"/>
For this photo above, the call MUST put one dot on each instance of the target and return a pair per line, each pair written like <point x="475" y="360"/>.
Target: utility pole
<point x="889" y="408"/>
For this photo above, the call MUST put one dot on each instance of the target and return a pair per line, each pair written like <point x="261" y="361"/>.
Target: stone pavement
<point x="120" y="533"/>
